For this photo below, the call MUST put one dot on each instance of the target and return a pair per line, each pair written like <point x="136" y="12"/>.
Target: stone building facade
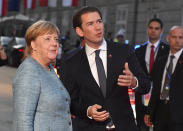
<point x="127" y="16"/>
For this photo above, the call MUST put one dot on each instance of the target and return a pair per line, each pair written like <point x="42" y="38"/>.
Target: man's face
<point x="175" y="39"/>
<point x="92" y="28"/>
<point x="154" y="31"/>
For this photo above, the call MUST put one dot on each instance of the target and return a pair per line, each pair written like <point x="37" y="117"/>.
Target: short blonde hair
<point x="37" y="29"/>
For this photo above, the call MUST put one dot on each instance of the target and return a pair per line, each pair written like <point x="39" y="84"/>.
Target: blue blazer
<point x="41" y="102"/>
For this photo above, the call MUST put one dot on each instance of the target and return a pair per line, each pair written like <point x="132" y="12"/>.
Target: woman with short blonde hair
<point x="41" y="102"/>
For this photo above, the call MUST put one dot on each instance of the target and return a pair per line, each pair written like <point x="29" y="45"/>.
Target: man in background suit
<point x="147" y="55"/>
<point x="98" y="78"/>
<point x="166" y="106"/>
<point x="67" y="55"/>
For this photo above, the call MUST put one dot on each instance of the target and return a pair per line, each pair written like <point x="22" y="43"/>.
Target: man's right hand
<point x="127" y="79"/>
<point x="147" y="120"/>
<point x="96" y="115"/>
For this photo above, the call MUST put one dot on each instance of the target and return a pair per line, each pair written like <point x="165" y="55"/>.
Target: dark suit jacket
<point x="3" y="62"/>
<point x="140" y="53"/>
<point x="85" y="92"/>
<point x="67" y="55"/>
<point x="175" y="93"/>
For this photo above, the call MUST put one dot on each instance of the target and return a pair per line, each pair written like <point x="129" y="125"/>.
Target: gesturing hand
<point x="128" y="78"/>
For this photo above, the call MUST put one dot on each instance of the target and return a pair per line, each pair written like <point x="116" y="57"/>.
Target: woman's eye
<point x="47" y="38"/>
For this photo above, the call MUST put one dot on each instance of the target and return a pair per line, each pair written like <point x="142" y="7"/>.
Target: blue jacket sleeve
<point x="26" y="91"/>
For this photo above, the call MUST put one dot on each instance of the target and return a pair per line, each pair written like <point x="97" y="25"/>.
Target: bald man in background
<point x="166" y="106"/>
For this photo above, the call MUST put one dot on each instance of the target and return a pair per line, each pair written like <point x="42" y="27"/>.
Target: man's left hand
<point x="128" y="78"/>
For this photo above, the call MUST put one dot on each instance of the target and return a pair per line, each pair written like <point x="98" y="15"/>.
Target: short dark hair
<point x="156" y="20"/>
<point x="77" y="17"/>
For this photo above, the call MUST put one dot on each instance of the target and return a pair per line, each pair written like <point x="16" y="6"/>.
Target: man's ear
<point x="79" y="31"/>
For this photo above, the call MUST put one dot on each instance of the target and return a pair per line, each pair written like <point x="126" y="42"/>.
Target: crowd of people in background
<point x="95" y="75"/>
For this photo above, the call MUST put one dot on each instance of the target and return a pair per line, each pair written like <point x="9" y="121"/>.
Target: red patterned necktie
<point x="151" y="62"/>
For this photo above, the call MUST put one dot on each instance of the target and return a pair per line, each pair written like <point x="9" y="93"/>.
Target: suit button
<point x="68" y="112"/>
<point x="66" y="99"/>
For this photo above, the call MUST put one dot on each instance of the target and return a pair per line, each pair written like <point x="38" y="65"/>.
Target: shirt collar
<point x="155" y="44"/>
<point x="90" y="50"/>
<point x="177" y="54"/>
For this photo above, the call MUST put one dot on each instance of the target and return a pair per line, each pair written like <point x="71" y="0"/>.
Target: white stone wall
<point x="171" y="13"/>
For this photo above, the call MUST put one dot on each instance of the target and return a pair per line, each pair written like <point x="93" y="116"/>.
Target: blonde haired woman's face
<point x="45" y="47"/>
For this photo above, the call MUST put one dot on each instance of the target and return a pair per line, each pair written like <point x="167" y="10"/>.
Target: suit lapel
<point x="143" y="60"/>
<point x="161" y="52"/>
<point x="85" y="69"/>
<point x="109" y="67"/>
<point x="161" y="65"/>
<point x="111" y="72"/>
<point x="179" y="65"/>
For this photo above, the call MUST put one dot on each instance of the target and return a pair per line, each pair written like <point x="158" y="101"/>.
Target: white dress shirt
<point x="146" y="97"/>
<point x="177" y="55"/>
<point x="90" y="52"/>
<point x="148" y="51"/>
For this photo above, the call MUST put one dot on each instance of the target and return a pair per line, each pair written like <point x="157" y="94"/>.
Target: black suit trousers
<point x="162" y="118"/>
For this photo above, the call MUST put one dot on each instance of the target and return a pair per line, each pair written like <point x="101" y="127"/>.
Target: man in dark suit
<point x="166" y="106"/>
<point x="98" y="78"/>
<point x="63" y="59"/>
<point x="67" y="55"/>
<point x="147" y="55"/>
